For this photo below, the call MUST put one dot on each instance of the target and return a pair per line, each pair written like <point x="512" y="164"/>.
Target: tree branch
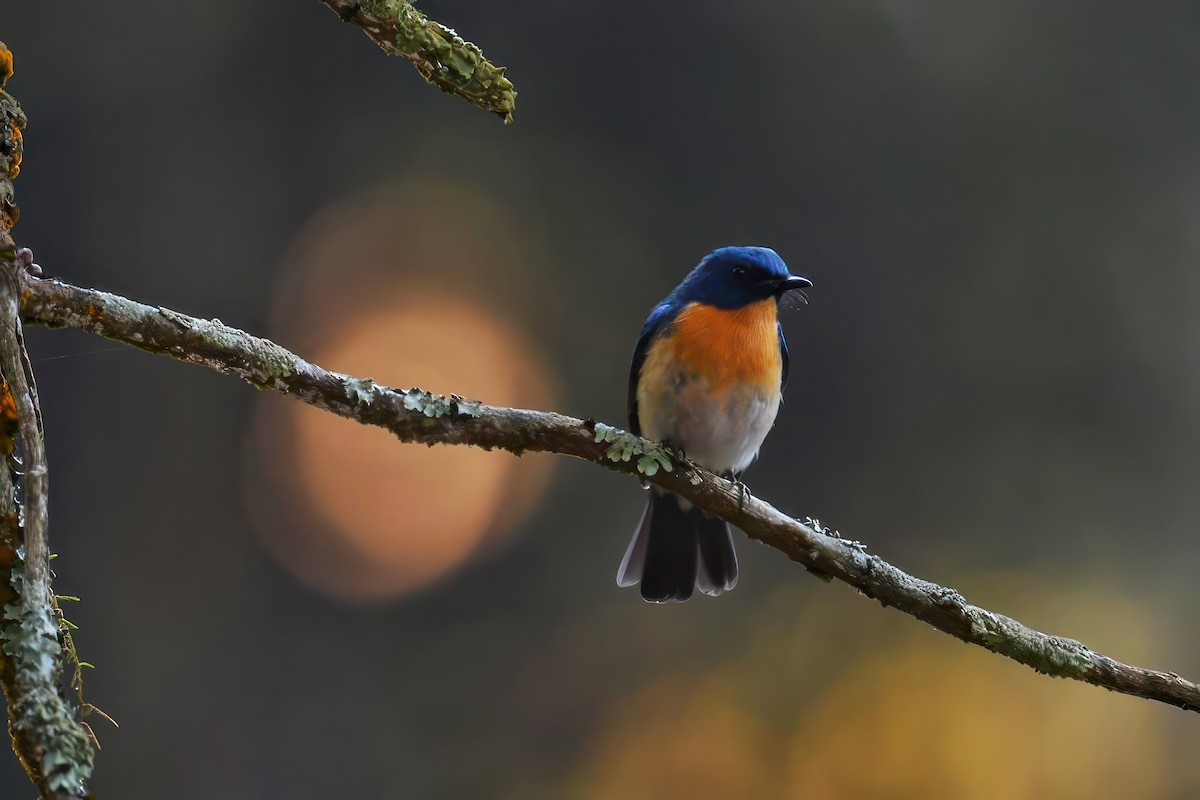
<point x="414" y="415"/>
<point x="441" y="56"/>
<point x="53" y="746"/>
<point x="48" y="739"/>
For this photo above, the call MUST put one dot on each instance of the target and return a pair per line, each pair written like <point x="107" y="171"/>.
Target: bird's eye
<point x="740" y="272"/>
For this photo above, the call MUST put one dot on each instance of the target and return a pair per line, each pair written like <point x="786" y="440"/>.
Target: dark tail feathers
<point x="675" y="551"/>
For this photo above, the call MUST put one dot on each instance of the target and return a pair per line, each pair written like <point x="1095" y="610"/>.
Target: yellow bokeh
<point x="937" y="721"/>
<point x="682" y="737"/>
<point x="855" y="702"/>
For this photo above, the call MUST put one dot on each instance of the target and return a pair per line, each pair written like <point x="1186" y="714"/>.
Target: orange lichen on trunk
<point x="12" y="121"/>
<point x="6" y="64"/>
<point x="9" y="419"/>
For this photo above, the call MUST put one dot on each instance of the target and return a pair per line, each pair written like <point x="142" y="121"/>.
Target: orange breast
<point x="729" y="346"/>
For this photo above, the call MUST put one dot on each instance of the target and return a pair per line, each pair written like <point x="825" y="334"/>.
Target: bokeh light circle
<point x="345" y="507"/>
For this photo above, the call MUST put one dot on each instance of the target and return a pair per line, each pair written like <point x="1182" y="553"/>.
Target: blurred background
<point x="995" y="387"/>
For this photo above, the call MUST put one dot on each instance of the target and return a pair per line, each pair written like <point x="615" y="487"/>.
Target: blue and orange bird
<point x="707" y="379"/>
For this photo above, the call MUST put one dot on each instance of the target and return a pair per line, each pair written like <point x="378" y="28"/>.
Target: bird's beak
<point x="792" y="282"/>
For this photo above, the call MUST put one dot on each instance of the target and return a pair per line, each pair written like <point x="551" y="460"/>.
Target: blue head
<point x="732" y="277"/>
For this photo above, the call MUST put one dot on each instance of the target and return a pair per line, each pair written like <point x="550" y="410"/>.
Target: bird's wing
<point x="662" y="316"/>
<point x="783" y="353"/>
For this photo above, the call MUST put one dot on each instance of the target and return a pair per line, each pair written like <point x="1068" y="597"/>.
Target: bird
<point x="707" y="380"/>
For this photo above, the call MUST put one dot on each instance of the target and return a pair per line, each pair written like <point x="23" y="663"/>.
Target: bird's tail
<point x="675" y="550"/>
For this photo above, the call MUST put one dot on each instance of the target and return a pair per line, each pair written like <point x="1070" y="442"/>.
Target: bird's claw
<point x="743" y="490"/>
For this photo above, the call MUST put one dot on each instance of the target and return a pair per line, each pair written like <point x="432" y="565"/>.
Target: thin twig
<point x="417" y="416"/>
<point x="13" y="360"/>
<point x="442" y="57"/>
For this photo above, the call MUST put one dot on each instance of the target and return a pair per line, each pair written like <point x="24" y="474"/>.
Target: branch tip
<point x="440" y="55"/>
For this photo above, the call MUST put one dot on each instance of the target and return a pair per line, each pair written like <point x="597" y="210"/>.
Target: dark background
<point x="995" y="387"/>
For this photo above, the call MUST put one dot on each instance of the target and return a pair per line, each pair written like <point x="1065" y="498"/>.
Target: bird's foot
<point x="743" y="490"/>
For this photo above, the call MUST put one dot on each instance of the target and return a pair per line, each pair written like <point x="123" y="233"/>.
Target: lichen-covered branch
<point x="53" y="746"/>
<point x="50" y="742"/>
<point x="441" y="56"/>
<point x="417" y="416"/>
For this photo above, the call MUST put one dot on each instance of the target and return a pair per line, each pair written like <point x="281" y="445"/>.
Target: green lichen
<point x="443" y="58"/>
<point x="1062" y="658"/>
<point x="1052" y="655"/>
<point x="468" y="408"/>
<point x="362" y="390"/>
<point x="277" y="365"/>
<point x="39" y="714"/>
<point x="427" y="403"/>
<point x="366" y="391"/>
<point x="439" y="405"/>
<point x="623" y="446"/>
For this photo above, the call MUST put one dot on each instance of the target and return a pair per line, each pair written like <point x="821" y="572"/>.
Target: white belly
<point x="719" y="435"/>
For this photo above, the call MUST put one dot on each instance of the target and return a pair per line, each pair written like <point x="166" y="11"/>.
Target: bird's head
<point x="732" y="277"/>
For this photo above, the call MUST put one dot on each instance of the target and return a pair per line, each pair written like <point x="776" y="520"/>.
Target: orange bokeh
<point x="350" y="510"/>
